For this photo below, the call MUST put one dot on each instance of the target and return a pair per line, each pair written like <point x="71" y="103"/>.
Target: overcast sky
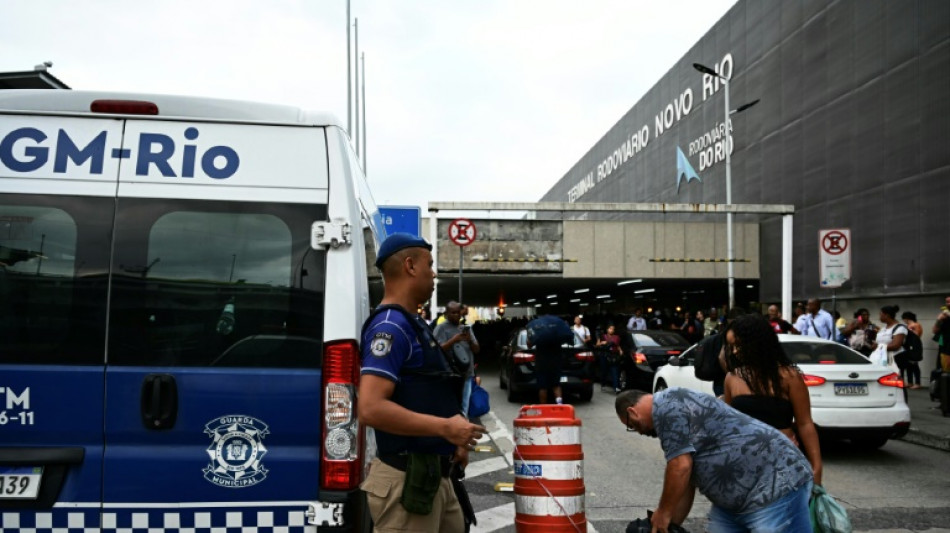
<point x="476" y="100"/>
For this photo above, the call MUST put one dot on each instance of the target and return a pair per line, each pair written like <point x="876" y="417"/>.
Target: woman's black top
<point x="774" y="411"/>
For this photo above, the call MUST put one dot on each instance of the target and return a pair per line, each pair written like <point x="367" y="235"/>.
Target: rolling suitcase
<point x="935" y="384"/>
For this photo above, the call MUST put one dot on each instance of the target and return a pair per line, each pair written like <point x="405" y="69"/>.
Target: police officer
<point x="410" y="395"/>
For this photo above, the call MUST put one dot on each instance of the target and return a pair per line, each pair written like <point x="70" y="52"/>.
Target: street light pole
<point x="730" y="250"/>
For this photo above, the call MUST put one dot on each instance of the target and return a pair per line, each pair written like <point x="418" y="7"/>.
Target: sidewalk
<point x="928" y="426"/>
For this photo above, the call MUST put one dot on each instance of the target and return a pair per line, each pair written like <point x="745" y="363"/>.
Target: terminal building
<point x="851" y="126"/>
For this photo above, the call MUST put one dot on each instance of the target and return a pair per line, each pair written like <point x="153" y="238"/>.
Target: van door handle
<point x="159" y="401"/>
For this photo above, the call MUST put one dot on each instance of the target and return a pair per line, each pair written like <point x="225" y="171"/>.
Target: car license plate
<point x="851" y="389"/>
<point x="563" y="379"/>
<point x="20" y="482"/>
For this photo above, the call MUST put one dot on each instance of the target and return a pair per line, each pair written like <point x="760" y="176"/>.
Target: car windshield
<point x="658" y="339"/>
<point x="822" y="353"/>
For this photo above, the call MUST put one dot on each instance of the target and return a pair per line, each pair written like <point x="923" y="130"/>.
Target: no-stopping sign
<point x="834" y="257"/>
<point x="462" y="231"/>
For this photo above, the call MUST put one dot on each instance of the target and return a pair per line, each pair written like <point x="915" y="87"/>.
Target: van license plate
<point x="851" y="389"/>
<point x="20" y="482"/>
<point x="563" y="379"/>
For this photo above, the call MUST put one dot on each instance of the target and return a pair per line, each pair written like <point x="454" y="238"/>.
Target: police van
<point x="182" y="283"/>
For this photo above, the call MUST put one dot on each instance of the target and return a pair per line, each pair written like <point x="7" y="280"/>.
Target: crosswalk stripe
<point x="495" y="518"/>
<point x="501" y="517"/>
<point x="477" y="468"/>
<point x="499" y="433"/>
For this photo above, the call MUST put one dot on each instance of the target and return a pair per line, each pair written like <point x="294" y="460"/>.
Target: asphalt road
<point x="901" y="487"/>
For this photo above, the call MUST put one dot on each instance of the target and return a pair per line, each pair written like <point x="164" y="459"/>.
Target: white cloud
<point x="468" y="100"/>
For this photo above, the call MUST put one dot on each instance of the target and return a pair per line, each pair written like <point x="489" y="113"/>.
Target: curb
<point x="917" y="436"/>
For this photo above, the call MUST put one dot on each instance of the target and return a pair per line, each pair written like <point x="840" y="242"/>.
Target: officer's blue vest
<point x="432" y="389"/>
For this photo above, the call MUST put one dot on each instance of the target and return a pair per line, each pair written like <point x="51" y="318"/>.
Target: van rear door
<point x="57" y="204"/>
<point x="213" y="383"/>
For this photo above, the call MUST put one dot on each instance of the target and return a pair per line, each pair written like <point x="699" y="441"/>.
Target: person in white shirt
<point x="816" y="322"/>
<point x="580" y="330"/>
<point x="637" y="322"/>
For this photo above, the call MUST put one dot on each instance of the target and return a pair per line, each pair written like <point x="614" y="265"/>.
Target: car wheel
<point x="660" y="385"/>
<point x="501" y="380"/>
<point x="587" y="394"/>
<point x="869" y="443"/>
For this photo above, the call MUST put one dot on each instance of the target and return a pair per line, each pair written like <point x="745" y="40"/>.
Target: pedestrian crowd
<point x="753" y="451"/>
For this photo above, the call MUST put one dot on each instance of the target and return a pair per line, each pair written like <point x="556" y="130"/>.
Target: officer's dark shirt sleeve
<point x="387" y="345"/>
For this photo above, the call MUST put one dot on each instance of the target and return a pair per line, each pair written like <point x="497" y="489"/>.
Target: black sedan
<point x="518" y="364"/>
<point x="645" y="351"/>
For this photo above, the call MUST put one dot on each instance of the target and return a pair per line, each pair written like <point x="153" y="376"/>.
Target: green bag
<point x="423" y="476"/>
<point x="827" y="515"/>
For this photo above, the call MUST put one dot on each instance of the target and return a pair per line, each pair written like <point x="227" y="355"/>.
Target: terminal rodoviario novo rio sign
<point x="709" y="147"/>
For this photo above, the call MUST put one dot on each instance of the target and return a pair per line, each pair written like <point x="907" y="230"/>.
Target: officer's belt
<point x="399" y="461"/>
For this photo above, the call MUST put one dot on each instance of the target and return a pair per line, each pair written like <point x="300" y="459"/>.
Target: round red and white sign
<point x="834" y="242"/>
<point x="462" y="231"/>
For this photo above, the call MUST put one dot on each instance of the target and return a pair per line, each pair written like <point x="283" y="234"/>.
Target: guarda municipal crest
<point x="236" y="450"/>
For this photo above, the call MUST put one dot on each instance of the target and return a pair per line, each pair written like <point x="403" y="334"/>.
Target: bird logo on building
<point x="684" y="170"/>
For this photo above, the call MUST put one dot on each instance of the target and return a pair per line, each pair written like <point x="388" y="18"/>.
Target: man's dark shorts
<point x="547" y="379"/>
<point x="547" y="369"/>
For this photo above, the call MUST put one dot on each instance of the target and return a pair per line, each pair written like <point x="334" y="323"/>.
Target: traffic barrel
<point x="549" y="470"/>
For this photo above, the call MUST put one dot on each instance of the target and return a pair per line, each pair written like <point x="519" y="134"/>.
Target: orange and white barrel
<point x="549" y="470"/>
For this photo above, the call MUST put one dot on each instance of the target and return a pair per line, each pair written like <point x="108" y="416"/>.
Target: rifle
<point x="456" y="476"/>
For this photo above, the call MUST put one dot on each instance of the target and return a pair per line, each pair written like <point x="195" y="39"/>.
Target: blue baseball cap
<point x="396" y="242"/>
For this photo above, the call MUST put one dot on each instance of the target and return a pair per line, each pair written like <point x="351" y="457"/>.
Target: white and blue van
<point x="182" y="285"/>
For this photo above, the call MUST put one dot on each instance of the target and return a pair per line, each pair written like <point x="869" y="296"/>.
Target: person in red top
<point x="778" y="324"/>
<point x="610" y="343"/>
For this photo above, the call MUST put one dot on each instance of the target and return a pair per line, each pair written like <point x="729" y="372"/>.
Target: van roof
<point x="57" y="102"/>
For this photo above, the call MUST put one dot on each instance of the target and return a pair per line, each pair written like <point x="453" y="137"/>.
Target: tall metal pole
<point x="363" y="85"/>
<point x="787" y="265"/>
<point x="356" y="43"/>
<point x="729" y="245"/>
<point x="434" y="241"/>
<point x="349" y="75"/>
<point x="39" y="262"/>
<point x="460" y="274"/>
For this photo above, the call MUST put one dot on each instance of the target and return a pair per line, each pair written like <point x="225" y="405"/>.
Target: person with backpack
<point x="892" y="335"/>
<point x="546" y="334"/>
<point x="916" y="348"/>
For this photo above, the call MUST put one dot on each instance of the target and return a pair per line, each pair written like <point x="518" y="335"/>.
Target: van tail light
<point x="341" y="456"/>
<point x="813" y="381"/>
<point x="584" y="356"/>
<point x="892" y="380"/>
<point x="124" y="107"/>
<point x="673" y="352"/>
<point x="523" y="357"/>
<point x="639" y="358"/>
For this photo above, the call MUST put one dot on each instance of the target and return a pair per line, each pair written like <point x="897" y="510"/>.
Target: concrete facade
<point x="622" y="249"/>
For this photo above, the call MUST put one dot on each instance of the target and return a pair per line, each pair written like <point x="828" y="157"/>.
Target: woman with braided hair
<point x="763" y="383"/>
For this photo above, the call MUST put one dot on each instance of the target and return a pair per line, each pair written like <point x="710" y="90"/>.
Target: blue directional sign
<point x="401" y="218"/>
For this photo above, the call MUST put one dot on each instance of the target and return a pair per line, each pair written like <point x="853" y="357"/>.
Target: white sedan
<point x="851" y="397"/>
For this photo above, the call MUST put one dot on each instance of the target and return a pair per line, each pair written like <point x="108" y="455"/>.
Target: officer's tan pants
<point x="383" y="489"/>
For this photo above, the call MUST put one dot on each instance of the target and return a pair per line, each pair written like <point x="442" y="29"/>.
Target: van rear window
<point x="54" y="260"/>
<point x="201" y="283"/>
